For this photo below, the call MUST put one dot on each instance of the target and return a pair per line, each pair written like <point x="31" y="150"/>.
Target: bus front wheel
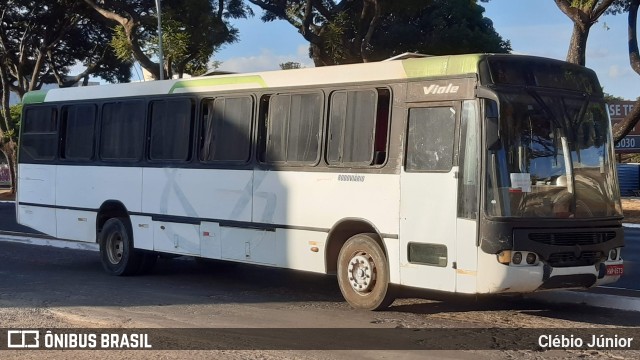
<point x="116" y="248"/>
<point x="363" y="273"/>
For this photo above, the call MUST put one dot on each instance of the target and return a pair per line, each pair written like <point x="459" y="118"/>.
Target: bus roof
<point x="432" y="66"/>
<point x="375" y="71"/>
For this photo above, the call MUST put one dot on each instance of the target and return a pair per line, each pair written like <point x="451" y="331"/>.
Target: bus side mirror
<point x="492" y="125"/>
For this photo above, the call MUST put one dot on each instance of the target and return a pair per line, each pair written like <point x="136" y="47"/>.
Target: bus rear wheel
<point x="116" y="248"/>
<point x="363" y="273"/>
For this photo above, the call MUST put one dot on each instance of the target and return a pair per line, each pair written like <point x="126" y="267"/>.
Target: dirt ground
<point x="631" y="210"/>
<point x="5" y="195"/>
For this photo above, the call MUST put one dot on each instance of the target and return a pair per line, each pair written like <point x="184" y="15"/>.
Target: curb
<point x="53" y="242"/>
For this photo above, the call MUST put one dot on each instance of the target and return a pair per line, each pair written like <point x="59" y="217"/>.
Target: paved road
<point x="631" y="256"/>
<point x="8" y="219"/>
<point x="46" y="287"/>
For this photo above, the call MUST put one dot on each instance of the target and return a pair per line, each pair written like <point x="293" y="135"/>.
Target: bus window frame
<point x="457" y="106"/>
<point x="56" y="156"/>
<point x="142" y="158"/>
<point x="261" y="140"/>
<point x="198" y="140"/>
<point x="326" y="130"/>
<point x="64" y="138"/>
<point x="148" y="128"/>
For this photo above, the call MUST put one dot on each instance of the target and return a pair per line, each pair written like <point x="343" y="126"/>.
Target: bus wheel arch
<point x="341" y="232"/>
<point x="110" y="209"/>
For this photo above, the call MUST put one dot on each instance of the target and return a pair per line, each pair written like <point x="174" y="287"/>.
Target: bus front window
<point x="554" y="159"/>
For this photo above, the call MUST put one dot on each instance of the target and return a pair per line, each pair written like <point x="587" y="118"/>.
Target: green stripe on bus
<point x="441" y="65"/>
<point x="251" y="79"/>
<point x="34" y="97"/>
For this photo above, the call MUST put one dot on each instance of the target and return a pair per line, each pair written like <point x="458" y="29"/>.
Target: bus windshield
<point x="554" y="158"/>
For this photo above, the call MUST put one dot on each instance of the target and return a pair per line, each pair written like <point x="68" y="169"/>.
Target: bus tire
<point x="363" y="273"/>
<point x="116" y="248"/>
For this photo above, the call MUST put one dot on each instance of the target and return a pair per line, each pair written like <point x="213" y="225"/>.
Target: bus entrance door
<point x="428" y="189"/>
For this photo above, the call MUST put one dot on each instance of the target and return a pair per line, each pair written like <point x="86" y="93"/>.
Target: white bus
<point x="468" y="174"/>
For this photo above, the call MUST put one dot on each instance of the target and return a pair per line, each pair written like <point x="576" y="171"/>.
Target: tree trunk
<point x="9" y="148"/>
<point x="578" y="45"/>
<point x="6" y="140"/>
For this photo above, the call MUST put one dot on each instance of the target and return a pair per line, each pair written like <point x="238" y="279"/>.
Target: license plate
<point x="615" y="270"/>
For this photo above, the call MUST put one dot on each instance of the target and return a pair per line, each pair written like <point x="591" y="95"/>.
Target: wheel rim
<point x="361" y="273"/>
<point x="115" y="248"/>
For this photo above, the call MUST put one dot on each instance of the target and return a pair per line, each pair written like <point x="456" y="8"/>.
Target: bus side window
<point x="226" y="129"/>
<point x="170" y="130"/>
<point x="122" y="128"/>
<point x="290" y="130"/>
<point x="469" y="161"/>
<point x="39" y="134"/>
<point x="78" y="132"/>
<point x="358" y="127"/>
<point x="382" y="127"/>
<point x="430" y="139"/>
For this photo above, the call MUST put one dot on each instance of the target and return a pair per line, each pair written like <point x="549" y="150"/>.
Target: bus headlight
<point x="517" y="258"/>
<point x="613" y="254"/>
<point x="531" y="258"/>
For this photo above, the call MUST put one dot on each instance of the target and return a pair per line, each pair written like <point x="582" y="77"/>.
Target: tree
<point x="192" y="31"/>
<point x="39" y="42"/>
<point x="352" y="31"/>
<point x="583" y="14"/>
<point x="437" y="28"/>
<point x="290" y="65"/>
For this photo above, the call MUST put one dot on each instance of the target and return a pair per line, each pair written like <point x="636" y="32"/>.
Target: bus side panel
<point x="300" y="249"/>
<point x="319" y="200"/>
<point x="142" y="227"/>
<point x="467" y="256"/>
<point x="88" y="187"/>
<point x="37" y="197"/>
<point x="76" y="225"/>
<point x="198" y="193"/>
<point x="248" y="245"/>
<point x="176" y="238"/>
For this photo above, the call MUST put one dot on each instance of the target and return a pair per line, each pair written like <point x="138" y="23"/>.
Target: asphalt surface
<point x="49" y="287"/>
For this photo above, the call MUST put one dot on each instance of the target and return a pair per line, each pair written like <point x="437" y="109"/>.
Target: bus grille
<point x="572" y="238"/>
<point x="567" y="259"/>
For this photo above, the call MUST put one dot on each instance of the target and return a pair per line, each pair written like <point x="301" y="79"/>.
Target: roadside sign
<point x="618" y="110"/>
<point x="629" y="142"/>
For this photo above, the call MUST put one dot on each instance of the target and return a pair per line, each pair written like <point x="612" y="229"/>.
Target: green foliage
<point x="16" y="114"/>
<point x="290" y="65"/>
<point x="442" y="27"/>
<point x="608" y="97"/>
<point x="340" y="31"/>
<point x="332" y="37"/>
<point x="43" y="40"/>
<point x="121" y="46"/>
<point x="191" y="32"/>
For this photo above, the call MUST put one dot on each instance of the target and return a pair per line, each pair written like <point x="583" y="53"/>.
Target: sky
<point x="534" y="27"/>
